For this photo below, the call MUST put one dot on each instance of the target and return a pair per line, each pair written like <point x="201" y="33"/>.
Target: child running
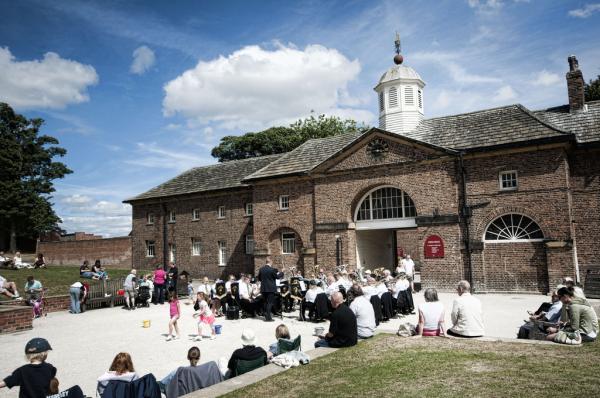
<point x="174" y="312"/>
<point x="206" y="317"/>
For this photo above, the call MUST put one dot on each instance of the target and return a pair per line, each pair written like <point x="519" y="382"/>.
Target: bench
<point x="103" y="293"/>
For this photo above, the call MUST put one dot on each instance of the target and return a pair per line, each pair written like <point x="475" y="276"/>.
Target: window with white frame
<point x="249" y="244"/>
<point x="381" y="103"/>
<point x="386" y="203"/>
<point x="172" y="252"/>
<point x="409" y="96"/>
<point x="150" y="248"/>
<point x="284" y="202"/>
<point x="249" y="209"/>
<point x="393" y="97"/>
<point x="172" y="216"/>
<point x="195" y="214"/>
<point x="221" y="212"/>
<point x="150" y="218"/>
<point x="513" y="228"/>
<point x="196" y="247"/>
<point x="222" y="253"/>
<point x="288" y="243"/>
<point x="508" y="180"/>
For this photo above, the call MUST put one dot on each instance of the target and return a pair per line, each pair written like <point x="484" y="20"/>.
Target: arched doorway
<point x="380" y="214"/>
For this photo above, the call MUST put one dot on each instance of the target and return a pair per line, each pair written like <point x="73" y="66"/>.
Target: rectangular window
<point x="249" y="244"/>
<point x="150" y="249"/>
<point x="284" y="202"/>
<point x="409" y="96"/>
<point x="249" y="209"/>
<point x="195" y="214"/>
<point x="221" y="212"/>
<point x="508" y="180"/>
<point x="393" y="95"/>
<point x="420" y="98"/>
<point x="222" y="253"/>
<point x="288" y="243"/>
<point x="381" y="103"/>
<point x="172" y="216"/>
<point x="196" y="247"/>
<point x="150" y="218"/>
<point x="172" y="252"/>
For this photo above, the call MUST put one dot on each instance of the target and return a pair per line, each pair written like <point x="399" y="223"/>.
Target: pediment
<point x="379" y="147"/>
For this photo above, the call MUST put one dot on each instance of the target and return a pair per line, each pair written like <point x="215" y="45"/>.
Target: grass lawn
<point x="56" y="278"/>
<point x="391" y="366"/>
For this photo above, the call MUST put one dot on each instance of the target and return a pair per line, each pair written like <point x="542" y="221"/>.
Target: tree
<point x="27" y="170"/>
<point x="282" y="139"/>
<point x="592" y="90"/>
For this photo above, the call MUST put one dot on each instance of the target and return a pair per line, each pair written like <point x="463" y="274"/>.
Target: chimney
<point x="575" y="86"/>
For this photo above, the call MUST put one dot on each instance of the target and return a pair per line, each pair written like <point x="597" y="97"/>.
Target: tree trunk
<point x="13" y="238"/>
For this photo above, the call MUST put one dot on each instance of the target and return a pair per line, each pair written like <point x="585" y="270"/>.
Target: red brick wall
<point x="15" y="318"/>
<point x="58" y="303"/>
<point x="113" y="252"/>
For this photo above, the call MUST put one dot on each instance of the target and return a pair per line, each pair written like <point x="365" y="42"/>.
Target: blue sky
<point x="139" y="91"/>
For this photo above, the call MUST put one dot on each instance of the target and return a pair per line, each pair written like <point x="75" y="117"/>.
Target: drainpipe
<point x="164" y="237"/>
<point x="466" y="214"/>
<point x="572" y="229"/>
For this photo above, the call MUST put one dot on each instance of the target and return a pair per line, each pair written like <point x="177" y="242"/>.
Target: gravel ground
<point x="85" y="344"/>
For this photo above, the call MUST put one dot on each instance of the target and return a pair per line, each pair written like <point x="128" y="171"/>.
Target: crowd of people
<point x="17" y="261"/>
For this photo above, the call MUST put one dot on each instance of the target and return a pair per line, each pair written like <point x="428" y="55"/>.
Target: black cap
<point x="37" y="345"/>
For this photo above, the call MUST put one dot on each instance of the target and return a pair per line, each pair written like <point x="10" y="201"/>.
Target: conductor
<point x="267" y="276"/>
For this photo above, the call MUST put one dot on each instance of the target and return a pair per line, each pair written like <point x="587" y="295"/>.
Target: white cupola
<point x="400" y="93"/>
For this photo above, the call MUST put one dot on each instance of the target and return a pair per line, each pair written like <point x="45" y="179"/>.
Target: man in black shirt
<point x="172" y="275"/>
<point x="267" y="276"/>
<point x="342" y="327"/>
<point x="249" y="352"/>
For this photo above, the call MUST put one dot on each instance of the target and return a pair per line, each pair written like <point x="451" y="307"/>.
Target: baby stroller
<point x="143" y="296"/>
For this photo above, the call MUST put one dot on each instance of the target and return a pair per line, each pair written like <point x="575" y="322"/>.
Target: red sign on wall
<point x="434" y="247"/>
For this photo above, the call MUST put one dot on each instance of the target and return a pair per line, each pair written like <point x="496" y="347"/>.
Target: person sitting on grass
<point x="99" y="270"/>
<point x="342" y="326"/>
<point x="467" y="319"/>
<point x="431" y="315"/>
<point x="40" y="261"/>
<point x="18" y="262"/>
<point x="581" y="324"/>
<point x="248" y="352"/>
<point x="120" y="369"/>
<point x="281" y="332"/>
<point x="86" y="272"/>
<point x="363" y="310"/>
<point x="3" y="260"/>
<point x="9" y="289"/>
<point x="549" y="314"/>
<point x="33" y="378"/>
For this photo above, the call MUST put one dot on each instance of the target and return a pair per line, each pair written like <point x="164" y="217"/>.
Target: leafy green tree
<point x="592" y="90"/>
<point x="282" y="139"/>
<point x="27" y="170"/>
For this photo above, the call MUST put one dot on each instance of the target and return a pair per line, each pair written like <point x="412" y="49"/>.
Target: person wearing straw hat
<point x="248" y="352"/>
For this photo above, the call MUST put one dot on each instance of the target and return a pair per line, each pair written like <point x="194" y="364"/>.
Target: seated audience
<point x="86" y="272"/>
<point x="248" y="352"/>
<point x="18" y="262"/>
<point x="342" y="326"/>
<point x="467" y="319"/>
<point x="99" y="270"/>
<point x="186" y="379"/>
<point x="34" y="378"/>
<point x="582" y="321"/>
<point x="577" y="290"/>
<point x="40" y="261"/>
<point x="205" y="287"/>
<point x="9" y="289"/>
<point x="403" y="295"/>
<point x="281" y="332"/>
<point x="551" y="314"/>
<point x="431" y="315"/>
<point x="309" y="300"/>
<point x="363" y="310"/>
<point x="120" y="369"/>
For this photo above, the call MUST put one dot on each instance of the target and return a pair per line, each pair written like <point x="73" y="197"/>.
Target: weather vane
<point x="398" y="58"/>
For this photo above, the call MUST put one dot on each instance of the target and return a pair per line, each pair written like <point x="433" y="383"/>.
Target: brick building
<point x="507" y="198"/>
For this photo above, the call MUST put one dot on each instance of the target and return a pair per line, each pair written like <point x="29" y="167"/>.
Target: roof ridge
<point x="473" y="112"/>
<point x="540" y="120"/>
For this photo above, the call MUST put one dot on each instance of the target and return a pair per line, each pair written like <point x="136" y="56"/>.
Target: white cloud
<point x="143" y="59"/>
<point x="504" y="94"/>
<point x="455" y="70"/>
<point x="155" y="156"/>
<point x="82" y="213"/>
<point x="253" y="88"/>
<point x="586" y="11"/>
<point x="77" y="200"/>
<point x="52" y="82"/>
<point x="486" y="6"/>
<point x="545" y="78"/>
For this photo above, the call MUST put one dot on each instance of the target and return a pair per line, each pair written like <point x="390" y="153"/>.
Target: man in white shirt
<point x="309" y="300"/>
<point x="409" y="268"/>
<point x="205" y="287"/>
<point x="365" y="315"/>
<point x="467" y="319"/>
<point x="332" y="286"/>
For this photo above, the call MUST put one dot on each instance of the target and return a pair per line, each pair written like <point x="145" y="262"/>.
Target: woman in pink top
<point x="174" y="316"/>
<point x="159" y="285"/>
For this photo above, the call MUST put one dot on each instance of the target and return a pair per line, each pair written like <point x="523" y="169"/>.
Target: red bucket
<point x="121" y="292"/>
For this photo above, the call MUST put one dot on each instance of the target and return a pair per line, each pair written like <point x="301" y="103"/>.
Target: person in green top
<point x="580" y="317"/>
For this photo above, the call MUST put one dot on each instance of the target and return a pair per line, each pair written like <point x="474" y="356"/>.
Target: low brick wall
<point x="58" y="303"/>
<point x="113" y="252"/>
<point x="14" y="318"/>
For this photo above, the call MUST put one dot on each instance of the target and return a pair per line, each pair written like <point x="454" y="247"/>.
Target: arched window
<point x="513" y="228"/>
<point x="386" y="203"/>
<point x="393" y="95"/>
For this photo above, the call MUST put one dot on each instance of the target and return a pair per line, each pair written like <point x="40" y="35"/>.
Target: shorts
<point x="209" y="320"/>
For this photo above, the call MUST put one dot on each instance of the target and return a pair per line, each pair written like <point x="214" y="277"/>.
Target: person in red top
<point x="159" y="285"/>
